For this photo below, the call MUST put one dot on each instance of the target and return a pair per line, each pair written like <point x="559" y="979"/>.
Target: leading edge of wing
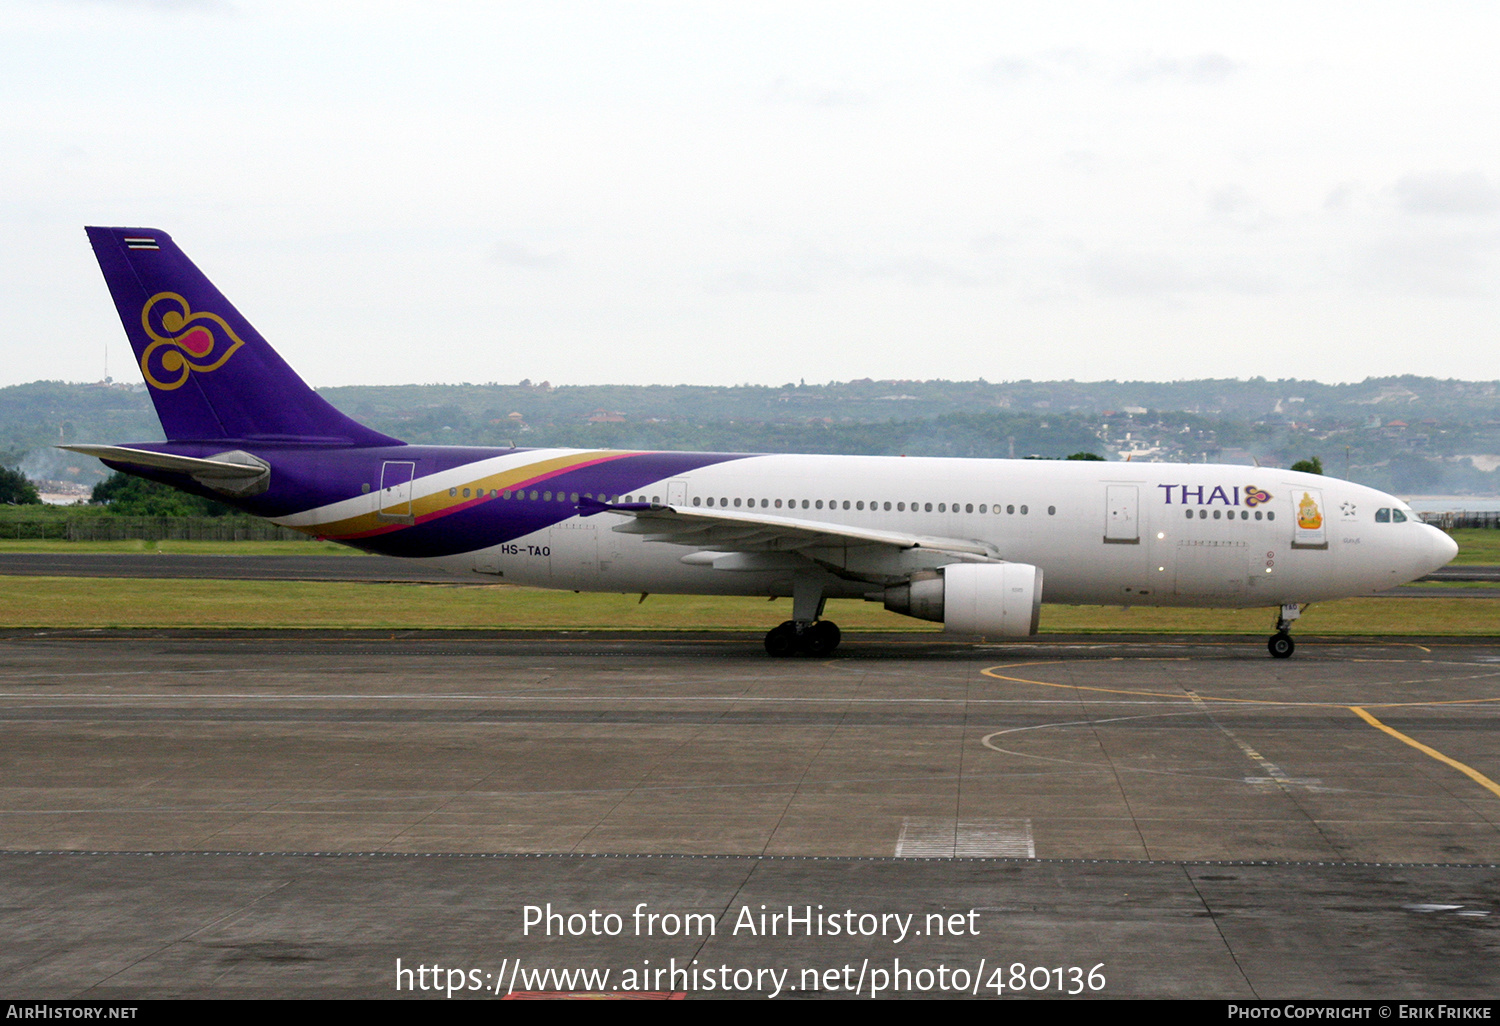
<point x="759" y="532"/>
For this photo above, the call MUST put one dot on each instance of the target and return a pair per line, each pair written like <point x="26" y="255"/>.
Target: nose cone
<point x="1440" y="546"/>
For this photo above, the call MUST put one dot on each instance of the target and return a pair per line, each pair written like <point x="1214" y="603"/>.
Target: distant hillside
<point x="1407" y="433"/>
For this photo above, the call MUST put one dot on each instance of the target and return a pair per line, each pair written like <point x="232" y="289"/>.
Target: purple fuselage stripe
<point x="310" y="478"/>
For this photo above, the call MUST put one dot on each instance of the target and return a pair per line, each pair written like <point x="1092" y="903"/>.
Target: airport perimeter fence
<point x="1463" y="518"/>
<point x="112" y="528"/>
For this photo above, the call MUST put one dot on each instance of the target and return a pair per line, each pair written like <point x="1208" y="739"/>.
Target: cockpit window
<point x="1398" y="517"/>
<point x="1382" y="516"/>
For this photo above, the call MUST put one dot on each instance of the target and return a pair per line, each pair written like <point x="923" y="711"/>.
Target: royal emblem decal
<point x="182" y="341"/>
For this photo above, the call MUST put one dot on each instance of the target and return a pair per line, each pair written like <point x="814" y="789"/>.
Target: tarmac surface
<point x="266" y="813"/>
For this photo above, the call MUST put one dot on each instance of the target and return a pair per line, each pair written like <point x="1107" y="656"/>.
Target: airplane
<point x="973" y="544"/>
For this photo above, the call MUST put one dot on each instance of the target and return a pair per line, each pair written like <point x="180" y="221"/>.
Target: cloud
<point x="1204" y="69"/>
<point x="1340" y="198"/>
<point x="1442" y="193"/>
<point x="1432" y="264"/>
<point x="513" y="254"/>
<point x="215" y="6"/>
<point x="794" y="94"/>
<point x="1198" y="69"/>
<point x="1159" y="276"/>
<point x="816" y="270"/>
<point x="1233" y="205"/>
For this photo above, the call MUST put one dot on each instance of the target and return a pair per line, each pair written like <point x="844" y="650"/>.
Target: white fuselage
<point x="1102" y="533"/>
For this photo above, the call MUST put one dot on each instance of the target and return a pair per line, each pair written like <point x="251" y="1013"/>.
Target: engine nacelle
<point x="974" y="598"/>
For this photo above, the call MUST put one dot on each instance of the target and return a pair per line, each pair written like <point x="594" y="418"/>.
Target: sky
<point x="711" y="193"/>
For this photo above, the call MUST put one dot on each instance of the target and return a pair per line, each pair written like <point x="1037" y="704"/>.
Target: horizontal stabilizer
<point x="166" y="461"/>
<point x="233" y="473"/>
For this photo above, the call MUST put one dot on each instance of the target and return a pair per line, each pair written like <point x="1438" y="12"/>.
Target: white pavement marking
<point x="925" y="837"/>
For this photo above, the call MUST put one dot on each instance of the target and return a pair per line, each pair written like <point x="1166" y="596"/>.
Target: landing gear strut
<point x="811" y="639"/>
<point x="1281" y="645"/>
<point x="804" y="633"/>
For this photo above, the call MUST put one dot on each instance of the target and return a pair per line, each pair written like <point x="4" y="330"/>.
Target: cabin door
<point x="395" y="490"/>
<point x="1122" y="515"/>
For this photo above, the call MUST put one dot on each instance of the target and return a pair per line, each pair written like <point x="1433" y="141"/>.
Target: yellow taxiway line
<point x="1360" y="711"/>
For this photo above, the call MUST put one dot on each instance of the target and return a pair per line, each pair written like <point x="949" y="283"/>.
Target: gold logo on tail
<point x="188" y="337"/>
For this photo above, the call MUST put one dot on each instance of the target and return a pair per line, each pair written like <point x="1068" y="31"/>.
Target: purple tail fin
<point x="209" y="372"/>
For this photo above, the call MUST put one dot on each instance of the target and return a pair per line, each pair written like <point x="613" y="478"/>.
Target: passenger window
<point x="927" y="507"/>
<point x="1257" y="514"/>
<point x="1024" y="511"/>
<point x="1052" y="511"/>
<point x="983" y="508"/>
<point x="697" y="500"/>
<point x="1203" y="514"/>
<point x="860" y="504"/>
<point x="1010" y="509"/>
<point x="846" y="503"/>
<point x="942" y="507"/>
<point x="1190" y="513"/>
<point x="1218" y="514"/>
<point x="1270" y="515"/>
<point x="968" y="507"/>
<point x="452" y="492"/>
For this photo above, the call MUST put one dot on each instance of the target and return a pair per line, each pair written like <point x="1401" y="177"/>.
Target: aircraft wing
<point x="735" y="531"/>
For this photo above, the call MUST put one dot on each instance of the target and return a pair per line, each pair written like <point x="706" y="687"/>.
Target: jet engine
<point x="973" y="598"/>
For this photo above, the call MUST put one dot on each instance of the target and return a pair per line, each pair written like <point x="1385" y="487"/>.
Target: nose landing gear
<point x="1281" y="645"/>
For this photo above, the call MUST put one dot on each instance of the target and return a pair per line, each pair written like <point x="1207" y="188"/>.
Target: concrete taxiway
<point x="1200" y="819"/>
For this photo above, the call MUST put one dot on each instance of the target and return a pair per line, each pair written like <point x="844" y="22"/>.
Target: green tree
<point x="16" y="490"/>
<point x="1086" y="456"/>
<point x="1312" y="466"/>
<point x="133" y="496"/>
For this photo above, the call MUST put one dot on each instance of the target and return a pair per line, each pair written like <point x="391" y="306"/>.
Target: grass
<point x="1477" y="545"/>
<point x="104" y="603"/>
<point x="175" y="547"/>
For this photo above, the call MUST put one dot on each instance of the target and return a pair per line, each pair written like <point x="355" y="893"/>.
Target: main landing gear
<point x="1281" y="645"/>
<point x="804" y="633"/>
<point x="810" y="639"/>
